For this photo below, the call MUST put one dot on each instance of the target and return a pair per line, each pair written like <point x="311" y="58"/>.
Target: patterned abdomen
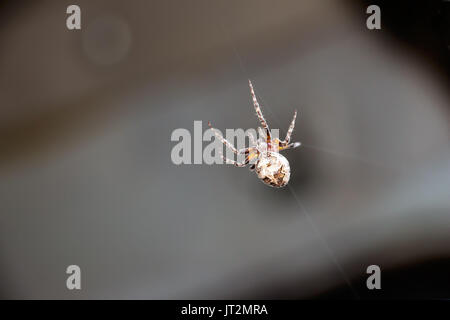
<point x="273" y="169"/>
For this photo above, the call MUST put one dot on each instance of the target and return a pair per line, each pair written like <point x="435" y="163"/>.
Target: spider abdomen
<point x="273" y="169"/>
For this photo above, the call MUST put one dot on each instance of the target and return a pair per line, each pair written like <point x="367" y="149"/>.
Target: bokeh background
<point x="86" y="176"/>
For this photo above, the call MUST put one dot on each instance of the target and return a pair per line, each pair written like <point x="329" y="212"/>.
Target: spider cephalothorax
<point x="270" y="166"/>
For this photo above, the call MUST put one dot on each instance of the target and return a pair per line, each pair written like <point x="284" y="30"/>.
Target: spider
<point x="270" y="166"/>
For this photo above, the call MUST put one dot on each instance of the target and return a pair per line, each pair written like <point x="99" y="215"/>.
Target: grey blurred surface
<point x="86" y="176"/>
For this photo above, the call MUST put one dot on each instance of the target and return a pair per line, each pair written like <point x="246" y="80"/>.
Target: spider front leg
<point x="260" y="115"/>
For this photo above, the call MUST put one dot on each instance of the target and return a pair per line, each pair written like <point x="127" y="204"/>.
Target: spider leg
<point x="261" y="133"/>
<point x="259" y="114"/>
<point x="246" y="150"/>
<point x="252" y="139"/>
<point x="222" y="139"/>
<point x="290" y="130"/>
<point x="290" y="146"/>
<point x="235" y="163"/>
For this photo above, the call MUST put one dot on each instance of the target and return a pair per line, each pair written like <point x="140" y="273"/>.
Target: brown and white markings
<point x="270" y="166"/>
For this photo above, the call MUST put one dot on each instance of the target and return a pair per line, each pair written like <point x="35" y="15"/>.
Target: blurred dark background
<point x="86" y="175"/>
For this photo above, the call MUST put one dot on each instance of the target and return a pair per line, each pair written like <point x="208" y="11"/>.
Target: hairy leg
<point x="259" y="114"/>
<point x="290" y="130"/>
<point x="222" y="139"/>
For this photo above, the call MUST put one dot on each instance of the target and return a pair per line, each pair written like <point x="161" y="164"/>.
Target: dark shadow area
<point x="424" y="280"/>
<point x="421" y="26"/>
